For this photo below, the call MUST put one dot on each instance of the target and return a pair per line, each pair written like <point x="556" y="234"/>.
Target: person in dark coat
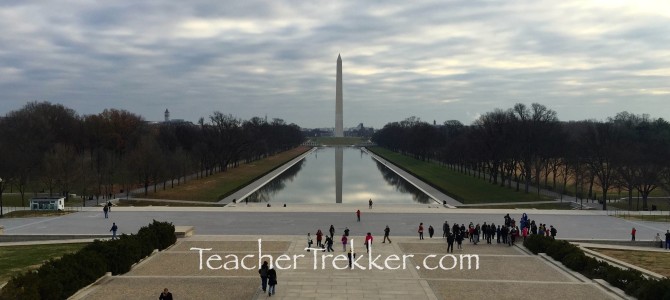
<point x="165" y="295"/>
<point x="431" y="231"/>
<point x="272" y="281"/>
<point x="263" y="271"/>
<point x="450" y="243"/>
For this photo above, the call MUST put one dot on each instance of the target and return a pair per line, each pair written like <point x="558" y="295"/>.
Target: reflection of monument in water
<point x="339" y="151"/>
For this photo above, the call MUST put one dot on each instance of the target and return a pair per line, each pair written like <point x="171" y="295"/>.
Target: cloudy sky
<point x="437" y="60"/>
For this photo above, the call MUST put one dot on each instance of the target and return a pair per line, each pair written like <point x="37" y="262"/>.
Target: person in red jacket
<point x="319" y="235"/>
<point x="358" y="215"/>
<point x="632" y="233"/>
<point x="368" y="242"/>
<point x="421" y="231"/>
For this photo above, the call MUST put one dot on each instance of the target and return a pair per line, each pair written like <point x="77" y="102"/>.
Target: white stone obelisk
<point x="339" y="131"/>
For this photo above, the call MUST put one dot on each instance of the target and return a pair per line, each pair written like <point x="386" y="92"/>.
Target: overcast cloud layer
<point x="437" y="60"/>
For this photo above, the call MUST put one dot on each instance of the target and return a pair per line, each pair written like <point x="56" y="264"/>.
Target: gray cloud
<point x="437" y="60"/>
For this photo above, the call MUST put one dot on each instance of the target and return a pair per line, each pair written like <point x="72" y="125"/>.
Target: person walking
<point x="632" y="234"/>
<point x="351" y="256"/>
<point x="667" y="240"/>
<point x="346" y="231"/>
<point x="319" y="236"/>
<point x="387" y="230"/>
<point x="332" y="231"/>
<point x="309" y="243"/>
<point x="370" y="204"/>
<point x="368" y="242"/>
<point x="498" y="234"/>
<point x="272" y="281"/>
<point x="105" y="210"/>
<point x="450" y="243"/>
<point x="165" y="295"/>
<point x="524" y="233"/>
<point x="358" y="215"/>
<point x="421" y="231"/>
<point x="263" y="271"/>
<point x="431" y="231"/>
<point x="459" y="240"/>
<point x="329" y="244"/>
<point x="553" y="232"/>
<point x="445" y="229"/>
<point x="344" y="242"/>
<point x="113" y="230"/>
<point x="658" y="239"/>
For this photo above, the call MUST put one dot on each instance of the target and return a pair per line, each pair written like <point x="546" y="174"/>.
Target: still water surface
<point x="313" y="180"/>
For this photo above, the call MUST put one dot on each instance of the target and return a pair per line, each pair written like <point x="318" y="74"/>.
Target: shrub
<point x="61" y="278"/>
<point x="630" y="281"/>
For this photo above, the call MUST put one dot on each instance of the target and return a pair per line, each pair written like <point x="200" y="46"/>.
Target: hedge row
<point x="630" y="281"/>
<point x="61" y="278"/>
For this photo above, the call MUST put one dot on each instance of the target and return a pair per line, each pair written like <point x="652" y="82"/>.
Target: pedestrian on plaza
<point x="450" y="243"/>
<point x="351" y="256"/>
<point x="109" y="204"/>
<point x="113" y="230"/>
<point x="358" y="215"/>
<point x="344" y="242"/>
<point x="431" y="231"/>
<point x="263" y="271"/>
<point x="309" y="243"/>
<point x="421" y="231"/>
<point x="370" y="204"/>
<point x="272" y="281"/>
<point x="319" y="235"/>
<point x="387" y="230"/>
<point x="165" y="295"/>
<point x="368" y="242"/>
<point x="658" y="239"/>
<point x="332" y="231"/>
<point x="632" y="234"/>
<point x="105" y="209"/>
<point x="498" y="234"/>
<point x="553" y="231"/>
<point x="476" y="233"/>
<point x="667" y="240"/>
<point x="524" y="233"/>
<point x="445" y="229"/>
<point x="346" y="231"/>
<point x="329" y="244"/>
<point x="459" y="239"/>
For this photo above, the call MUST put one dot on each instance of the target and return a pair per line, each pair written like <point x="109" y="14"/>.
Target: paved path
<point x="497" y="276"/>
<point x="298" y="220"/>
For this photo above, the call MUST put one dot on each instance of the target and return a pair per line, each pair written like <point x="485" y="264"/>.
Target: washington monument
<point x="339" y="132"/>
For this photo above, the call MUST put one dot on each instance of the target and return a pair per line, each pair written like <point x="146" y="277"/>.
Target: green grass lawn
<point x="217" y="186"/>
<point x="34" y="213"/>
<point x="18" y="259"/>
<point x="661" y="204"/>
<point x="464" y="188"/>
<point x="338" y="141"/>
<point x="658" y="262"/>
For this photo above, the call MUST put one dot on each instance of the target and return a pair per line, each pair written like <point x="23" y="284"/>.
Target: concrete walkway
<point x="497" y="275"/>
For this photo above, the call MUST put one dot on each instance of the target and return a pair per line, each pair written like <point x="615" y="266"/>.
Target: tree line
<point x="50" y="148"/>
<point x="526" y="146"/>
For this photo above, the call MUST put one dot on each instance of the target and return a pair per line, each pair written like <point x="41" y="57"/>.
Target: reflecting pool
<point x="316" y="179"/>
